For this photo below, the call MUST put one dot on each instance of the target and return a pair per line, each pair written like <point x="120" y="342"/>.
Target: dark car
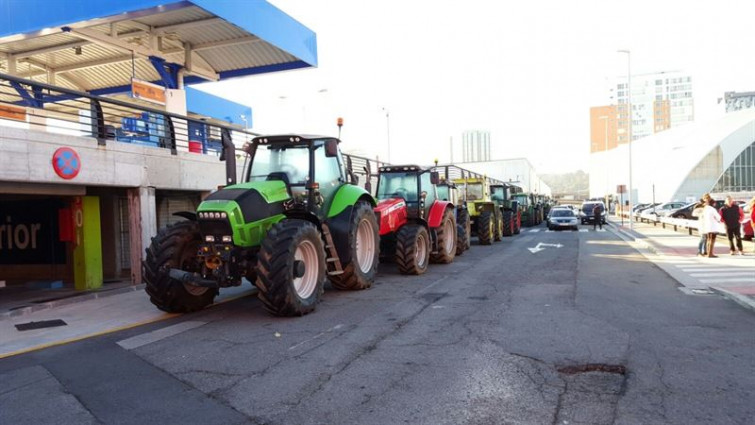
<point x="684" y="212"/>
<point x="586" y="215"/>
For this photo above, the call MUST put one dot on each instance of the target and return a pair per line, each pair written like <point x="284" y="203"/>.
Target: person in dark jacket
<point x="732" y="215"/>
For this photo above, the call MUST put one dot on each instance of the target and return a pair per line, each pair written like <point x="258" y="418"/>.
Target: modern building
<point x="683" y="163"/>
<point x="518" y="171"/>
<point x="101" y="137"/>
<point x="659" y="101"/>
<point x="734" y="101"/>
<point x="475" y="145"/>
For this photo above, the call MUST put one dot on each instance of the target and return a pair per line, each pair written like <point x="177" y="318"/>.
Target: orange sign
<point x="12" y="113"/>
<point x="148" y="91"/>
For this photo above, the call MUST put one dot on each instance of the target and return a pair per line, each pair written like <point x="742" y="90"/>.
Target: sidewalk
<point x="87" y="317"/>
<point x="676" y="254"/>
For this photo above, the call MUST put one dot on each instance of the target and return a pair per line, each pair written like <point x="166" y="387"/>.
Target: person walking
<point x="597" y="217"/>
<point x="752" y="216"/>
<point x="697" y="212"/>
<point x="710" y="221"/>
<point x="732" y="216"/>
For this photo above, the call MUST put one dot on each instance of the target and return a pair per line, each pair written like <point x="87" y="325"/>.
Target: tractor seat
<point x="278" y="175"/>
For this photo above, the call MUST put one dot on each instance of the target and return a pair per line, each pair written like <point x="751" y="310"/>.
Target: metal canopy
<point x="99" y="46"/>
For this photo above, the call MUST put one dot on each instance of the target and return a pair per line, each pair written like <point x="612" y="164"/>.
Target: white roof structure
<point x="678" y="164"/>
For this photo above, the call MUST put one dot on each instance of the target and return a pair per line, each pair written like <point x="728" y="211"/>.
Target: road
<point x="587" y="332"/>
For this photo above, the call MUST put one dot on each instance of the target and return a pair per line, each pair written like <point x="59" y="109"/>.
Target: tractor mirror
<point x="434" y="177"/>
<point x="331" y="148"/>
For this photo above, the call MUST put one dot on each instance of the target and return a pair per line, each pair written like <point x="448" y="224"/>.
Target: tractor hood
<point x="388" y="206"/>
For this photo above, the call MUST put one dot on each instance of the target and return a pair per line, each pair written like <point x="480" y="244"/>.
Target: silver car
<point x="562" y="218"/>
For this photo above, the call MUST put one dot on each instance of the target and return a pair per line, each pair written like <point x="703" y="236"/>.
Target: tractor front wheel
<point x="175" y="246"/>
<point x="446" y="236"/>
<point x="463" y="232"/>
<point x="508" y="223"/>
<point x="485" y="228"/>
<point x="364" y="246"/>
<point x="498" y="225"/>
<point x="291" y="268"/>
<point x="412" y="249"/>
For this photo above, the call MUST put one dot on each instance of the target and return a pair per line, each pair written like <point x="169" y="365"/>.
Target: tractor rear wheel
<point x="291" y="268"/>
<point x="446" y="237"/>
<point x="463" y="230"/>
<point x="412" y="249"/>
<point x="175" y="246"/>
<point x="364" y="246"/>
<point x="517" y="222"/>
<point x="508" y="223"/>
<point x="498" y="225"/>
<point x="485" y="228"/>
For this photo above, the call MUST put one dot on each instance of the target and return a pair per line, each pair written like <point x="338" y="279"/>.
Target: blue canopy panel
<point x="201" y="103"/>
<point x="116" y="40"/>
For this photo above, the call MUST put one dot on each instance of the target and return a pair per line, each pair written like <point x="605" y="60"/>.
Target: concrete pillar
<point x="142" y="214"/>
<point x="87" y="254"/>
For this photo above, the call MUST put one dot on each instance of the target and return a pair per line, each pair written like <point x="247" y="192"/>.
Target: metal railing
<point x="43" y="107"/>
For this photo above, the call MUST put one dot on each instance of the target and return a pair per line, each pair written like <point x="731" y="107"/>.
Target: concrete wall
<point x="26" y="157"/>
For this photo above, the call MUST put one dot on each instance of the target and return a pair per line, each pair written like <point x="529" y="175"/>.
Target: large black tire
<point x="412" y="249"/>
<point x="498" y="234"/>
<point x="485" y="228"/>
<point x="463" y="231"/>
<point x="508" y="223"/>
<point x="517" y="222"/>
<point x="175" y="247"/>
<point x="364" y="246"/>
<point x="288" y="242"/>
<point x="446" y="237"/>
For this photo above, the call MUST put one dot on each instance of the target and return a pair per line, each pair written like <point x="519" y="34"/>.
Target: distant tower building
<point x="659" y="101"/>
<point x="475" y="146"/>
<point x="738" y="101"/>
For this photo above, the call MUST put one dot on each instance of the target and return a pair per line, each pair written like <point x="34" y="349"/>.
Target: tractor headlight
<point x="209" y="238"/>
<point x="228" y="239"/>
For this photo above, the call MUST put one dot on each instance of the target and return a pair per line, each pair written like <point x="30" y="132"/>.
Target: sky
<point x="527" y="71"/>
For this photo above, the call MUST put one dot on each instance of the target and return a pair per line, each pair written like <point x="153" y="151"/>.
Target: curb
<point x="740" y="299"/>
<point x="70" y="300"/>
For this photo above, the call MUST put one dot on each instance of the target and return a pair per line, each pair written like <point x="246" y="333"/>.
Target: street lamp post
<point x="629" y="130"/>
<point x="605" y="140"/>
<point x="388" y="132"/>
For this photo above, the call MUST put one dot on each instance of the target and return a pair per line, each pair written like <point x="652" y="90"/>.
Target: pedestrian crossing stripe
<point x="727" y="280"/>
<point x="534" y="230"/>
<point x="719" y="270"/>
<point x="723" y="274"/>
<point x="583" y="230"/>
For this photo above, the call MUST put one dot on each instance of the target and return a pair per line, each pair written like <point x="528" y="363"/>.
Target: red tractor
<point x="416" y="227"/>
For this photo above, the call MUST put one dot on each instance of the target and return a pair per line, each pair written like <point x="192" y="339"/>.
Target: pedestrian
<point x="732" y="216"/>
<point x="711" y="220"/>
<point x="597" y="217"/>
<point x="752" y="216"/>
<point x="697" y="213"/>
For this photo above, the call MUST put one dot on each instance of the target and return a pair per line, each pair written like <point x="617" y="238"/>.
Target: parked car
<point x="684" y="212"/>
<point x="556" y="208"/>
<point x="562" y="218"/>
<point x="645" y="207"/>
<point x="586" y="215"/>
<point x="665" y="208"/>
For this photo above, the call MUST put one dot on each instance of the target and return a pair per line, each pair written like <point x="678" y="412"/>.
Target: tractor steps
<point x="333" y="262"/>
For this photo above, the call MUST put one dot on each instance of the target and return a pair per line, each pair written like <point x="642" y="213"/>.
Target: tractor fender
<point x="435" y="217"/>
<point x="391" y="214"/>
<point x="189" y="215"/>
<point x="346" y="196"/>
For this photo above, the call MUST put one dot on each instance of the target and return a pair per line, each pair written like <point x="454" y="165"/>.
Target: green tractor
<point x="527" y="206"/>
<point x="295" y="220"/>
<point x="501" y="195"/>
<point x="486" y="219"/>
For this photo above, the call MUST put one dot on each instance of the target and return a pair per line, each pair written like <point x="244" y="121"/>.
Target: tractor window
<point x="522" y="199"/>
<point x="398" y="185"/>
<point x="443" y="192"/>
<point x="327" y="172"/>
<point x="474" y="191"/>
<point x="428" y="188"/>
<point x="291" y="161"/>
<point x="498" y="193"/>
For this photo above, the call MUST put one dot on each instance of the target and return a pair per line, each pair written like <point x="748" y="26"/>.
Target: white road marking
<point x="724" y="274"/>
<point x="534" y="230"/>
<point x="727" y="280"/>
<point x="721" y="270"/>
<point x="583" y="230"/>
<point x="159" y="334"/>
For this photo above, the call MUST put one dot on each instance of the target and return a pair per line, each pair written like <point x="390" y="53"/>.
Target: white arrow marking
<point x="540" y="247"/>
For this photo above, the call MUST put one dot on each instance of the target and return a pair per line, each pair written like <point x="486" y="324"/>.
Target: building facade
<point x="518" y="171"/>
<point x="475" y="145"/>
<point x="659" y="101"/>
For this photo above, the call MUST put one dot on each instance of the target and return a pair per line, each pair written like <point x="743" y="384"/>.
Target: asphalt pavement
<point x="585" y="329"/>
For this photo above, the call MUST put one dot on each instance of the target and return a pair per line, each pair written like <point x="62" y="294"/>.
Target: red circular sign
<point x="66" y="163"/>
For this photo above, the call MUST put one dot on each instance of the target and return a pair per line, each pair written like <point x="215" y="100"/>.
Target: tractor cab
<point x="447" y="191"/>
<point x="408" y="184"/>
